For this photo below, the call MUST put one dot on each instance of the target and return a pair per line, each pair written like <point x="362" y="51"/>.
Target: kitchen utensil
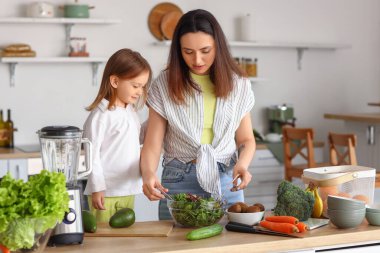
<point x="313" y="223"/>
<point x="76" y="10"/>
<point x="40" y="10"/>
<point x="165" y="194"/>
<point x="373" y="218"/>
<point x="169" y="22"/>
<point x="60" y="149"/>
<point x="243" y="228"/>
<point x="246" y="218"/>
<point x="139" y="229"/>
<point x="342" y="203"/>
<point x="279" y="116"/>
<point x="228" y="187"/>
<point x="156" y="15"/>
<point x="199" y="212"/>
<point x="346" y="218"/>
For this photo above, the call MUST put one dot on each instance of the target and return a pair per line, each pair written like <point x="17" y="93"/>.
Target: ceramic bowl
<point x="342" y="203"/>
<point x="373" y="218"/>
<point x="346" y="218"/>
<point x="246" y="218"/>
<point x="374" y="208"/>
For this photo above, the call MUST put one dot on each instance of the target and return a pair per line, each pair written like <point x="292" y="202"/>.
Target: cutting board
<point x="139" y="229"/>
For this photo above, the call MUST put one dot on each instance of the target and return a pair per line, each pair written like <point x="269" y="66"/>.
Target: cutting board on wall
<point x="139" y="229"/>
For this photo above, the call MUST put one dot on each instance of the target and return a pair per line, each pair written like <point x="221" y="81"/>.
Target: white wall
<point x="330" y="81"/>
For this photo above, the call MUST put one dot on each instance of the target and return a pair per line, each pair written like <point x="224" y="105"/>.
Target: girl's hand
<point x="151" y="186"/>
<point x="244" y="175"/>
<point x="98" y="200"/>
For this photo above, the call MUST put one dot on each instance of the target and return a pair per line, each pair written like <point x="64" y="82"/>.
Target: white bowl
<point x="246" y="218"/>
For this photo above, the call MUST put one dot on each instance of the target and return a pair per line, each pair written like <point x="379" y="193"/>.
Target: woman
<point x="199" y="109"/>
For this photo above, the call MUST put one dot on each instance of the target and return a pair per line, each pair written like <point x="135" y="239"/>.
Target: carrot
<point x="283" y="219"/>
<point x="4" y="249"/>
<point x="302" y="227"/>
<point x="279" y="227"/>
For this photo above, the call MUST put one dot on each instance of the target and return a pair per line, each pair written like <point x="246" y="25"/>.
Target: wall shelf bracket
<point x="300" y="51"/>
<point x="12" y="71"/>
<point x="95" y="70"/>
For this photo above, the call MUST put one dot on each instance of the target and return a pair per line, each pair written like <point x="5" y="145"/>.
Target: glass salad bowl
<point x="24" y="235"/>
<point x="190" y="210"/>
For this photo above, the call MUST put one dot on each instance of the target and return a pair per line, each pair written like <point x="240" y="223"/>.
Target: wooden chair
<point x="342" y="149"/>
<point x="298" y="142"/>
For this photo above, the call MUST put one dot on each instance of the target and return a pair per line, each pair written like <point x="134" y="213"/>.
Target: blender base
<point x="65" y="239"/>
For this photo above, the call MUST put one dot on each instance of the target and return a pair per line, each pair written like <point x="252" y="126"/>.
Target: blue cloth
<point x="181" y="177"/>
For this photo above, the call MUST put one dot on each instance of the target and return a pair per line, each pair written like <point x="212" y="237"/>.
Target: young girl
<point x="113" y="128"/>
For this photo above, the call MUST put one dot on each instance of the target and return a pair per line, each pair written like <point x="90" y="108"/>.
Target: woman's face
<point x="198" y="51"/>
<point x="128" y="91"/>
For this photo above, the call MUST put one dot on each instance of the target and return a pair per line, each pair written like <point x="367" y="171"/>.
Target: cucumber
<point x="205" y="232"/>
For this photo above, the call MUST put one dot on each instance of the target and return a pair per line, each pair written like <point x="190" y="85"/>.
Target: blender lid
<point x="60" y="131"/>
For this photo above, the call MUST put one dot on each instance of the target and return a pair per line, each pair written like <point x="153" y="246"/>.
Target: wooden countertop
<point x="324" y="237"/>
<point x="14" y="153"/>
<point x="360" y="117"/>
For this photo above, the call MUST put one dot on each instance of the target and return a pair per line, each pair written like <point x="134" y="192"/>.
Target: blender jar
<point x="61" y="149"/>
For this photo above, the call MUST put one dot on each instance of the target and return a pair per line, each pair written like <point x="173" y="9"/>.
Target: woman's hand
<point x="151" y="186"/>
<point x="98" y="200"/>
<point x="244" y="175"/>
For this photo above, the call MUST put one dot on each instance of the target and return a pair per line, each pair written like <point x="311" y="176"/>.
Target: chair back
<point x="342" y="149"/>
<point x="297" y="142"/>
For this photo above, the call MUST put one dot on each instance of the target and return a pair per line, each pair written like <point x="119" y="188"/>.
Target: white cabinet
<point x="18" y="168"/>
<point x="3" y="167"/>
<point x="267" y="174"/>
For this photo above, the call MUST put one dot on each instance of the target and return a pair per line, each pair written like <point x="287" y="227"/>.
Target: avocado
<point x="89" y="222"/>
<point x="122" y="218"/>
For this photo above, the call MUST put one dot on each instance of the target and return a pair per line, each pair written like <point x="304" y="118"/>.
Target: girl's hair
<point x="125" y="64"/>
<point x="221" y="71"/>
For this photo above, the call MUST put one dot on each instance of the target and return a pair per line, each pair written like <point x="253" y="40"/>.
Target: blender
<point x="61" y="149"/>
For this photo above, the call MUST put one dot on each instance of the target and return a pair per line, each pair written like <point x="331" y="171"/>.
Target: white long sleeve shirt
<point x="115" y="151"/>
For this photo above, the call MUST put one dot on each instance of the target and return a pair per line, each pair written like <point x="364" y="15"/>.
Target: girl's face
<point x="128" y="91"/>
<point x="198" y="51"/>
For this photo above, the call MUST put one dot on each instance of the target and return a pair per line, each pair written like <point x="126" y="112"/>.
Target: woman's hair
<point x="221" y="71"/>
<point x="125" y="64"/>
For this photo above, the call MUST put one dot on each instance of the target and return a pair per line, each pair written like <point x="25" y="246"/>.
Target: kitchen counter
<point x="15" y="153"/>
<point x="321" y="238"/>
<point x="361" y="117"/>
<point x="18" y="153"/>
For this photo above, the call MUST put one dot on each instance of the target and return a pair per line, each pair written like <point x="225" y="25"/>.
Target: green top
<point x="209" y="101"/>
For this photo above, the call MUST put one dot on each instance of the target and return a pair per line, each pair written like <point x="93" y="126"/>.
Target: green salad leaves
<point x="194" y="211"/>
<point x="29" y="208"/>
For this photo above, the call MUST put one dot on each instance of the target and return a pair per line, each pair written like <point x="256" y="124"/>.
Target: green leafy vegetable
<point x="293" y="201"/>
<point x="194" y="211"/>
<point x="29" y="208"/>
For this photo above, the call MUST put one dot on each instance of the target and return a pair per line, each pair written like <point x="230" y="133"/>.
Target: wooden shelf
<point x="68" y="23"/>
<point x="299" y="46"/>
<point x="17" y="20"/>
<point x="51" y="59"/>
<point x="13" y="61"/>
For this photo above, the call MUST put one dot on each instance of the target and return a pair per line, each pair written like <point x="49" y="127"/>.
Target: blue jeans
<point x="181" y="177"/>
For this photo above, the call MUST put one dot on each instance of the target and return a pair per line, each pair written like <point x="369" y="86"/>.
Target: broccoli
<point x="293" y="201"/>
